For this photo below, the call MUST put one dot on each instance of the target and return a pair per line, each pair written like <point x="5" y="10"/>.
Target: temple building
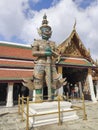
<point x="75" y="63"/>
<point x="16" y="63"/>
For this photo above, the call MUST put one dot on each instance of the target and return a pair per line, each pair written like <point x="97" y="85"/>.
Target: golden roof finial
<point x="97" y="61"/>
<point x="89" y="50"/>
<point x="74" y="26"/>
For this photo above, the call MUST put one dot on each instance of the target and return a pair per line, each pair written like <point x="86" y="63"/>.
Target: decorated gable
<point x="73" y="47"/>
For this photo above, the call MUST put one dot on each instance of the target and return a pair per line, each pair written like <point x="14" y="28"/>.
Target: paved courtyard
<point x="10" y="120"/>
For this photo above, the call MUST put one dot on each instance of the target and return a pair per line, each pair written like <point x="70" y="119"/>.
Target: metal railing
<point x="24" y="102"/>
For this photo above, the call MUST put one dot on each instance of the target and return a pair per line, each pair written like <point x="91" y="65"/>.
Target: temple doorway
<point x="19" y="89"/>
<point x="73" y="77"/>
<point x="45" y="92"/>
<point x="3" y="93"/>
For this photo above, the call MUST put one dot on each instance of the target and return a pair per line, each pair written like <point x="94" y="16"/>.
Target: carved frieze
<point x="72" y="50"/>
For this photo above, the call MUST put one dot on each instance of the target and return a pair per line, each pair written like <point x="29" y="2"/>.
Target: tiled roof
<point x="75" y="61"/>
<point x="14" y="51"/>
<point x="16" y="63"/>
<point x="15" y="74"/>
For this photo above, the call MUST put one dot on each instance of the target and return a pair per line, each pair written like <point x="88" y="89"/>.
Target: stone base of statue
<point x="48" y="107"/>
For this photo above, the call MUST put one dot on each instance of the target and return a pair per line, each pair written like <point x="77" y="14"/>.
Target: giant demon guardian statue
<point x="45" y="73"/>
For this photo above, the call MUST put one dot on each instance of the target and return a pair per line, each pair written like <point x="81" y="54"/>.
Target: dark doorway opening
<point x="73" y="76"/>
<point x="3" y="93"/>
<point x="45" y="92"/>
<point x="19" y="89"/>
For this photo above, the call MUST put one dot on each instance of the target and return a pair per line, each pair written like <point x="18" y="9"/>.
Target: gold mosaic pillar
<point x="60" y="69"/>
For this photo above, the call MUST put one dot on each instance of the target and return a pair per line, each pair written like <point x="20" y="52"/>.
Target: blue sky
<point x="40" y="5"/>
<point x="84" y="3"/>
<point x="19" y="20"/>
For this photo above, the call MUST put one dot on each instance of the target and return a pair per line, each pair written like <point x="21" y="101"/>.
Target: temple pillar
<point x="80" y="89"/>
<point x="97" y="90"/>
<point x="60" y="90"/>
<point x="10" y="95"/>
<point x="34" y="94"/>
<point x="31" y="94"/>
<point x="90" y="83"/>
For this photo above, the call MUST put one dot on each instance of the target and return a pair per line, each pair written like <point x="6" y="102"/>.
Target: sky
<point x="19" y="20"/>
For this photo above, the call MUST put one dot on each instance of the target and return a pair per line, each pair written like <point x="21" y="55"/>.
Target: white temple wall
<point x="97" y="90"/>
<point x="91" y="87"/>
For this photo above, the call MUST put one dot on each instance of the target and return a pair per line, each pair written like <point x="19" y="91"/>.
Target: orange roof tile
<point x="12" y="74"/>
<point x="15" y="56"/>
<point x="75" y="61"/>
<point x="15" y="52"/>
<point x="16" y="63"/>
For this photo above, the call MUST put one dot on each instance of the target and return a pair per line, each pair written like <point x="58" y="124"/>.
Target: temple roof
<point x="73" y="47"/>
<point x="16" y="61"/>
<point x="75" y="62"/>
<point x="15" y="74"/>
<point x="15" y="51"/>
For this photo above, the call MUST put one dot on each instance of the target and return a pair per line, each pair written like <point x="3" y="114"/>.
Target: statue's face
<point x="46" y="32"/>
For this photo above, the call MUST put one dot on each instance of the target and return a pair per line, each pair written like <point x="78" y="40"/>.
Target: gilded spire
<point x="74" y="26"/>
<point x="89" y="50"/>
<point x="44" y="22"/>
<point x="97" y="61"/>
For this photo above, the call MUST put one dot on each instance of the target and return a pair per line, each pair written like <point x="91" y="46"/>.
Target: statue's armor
<point x="40" y="69"/>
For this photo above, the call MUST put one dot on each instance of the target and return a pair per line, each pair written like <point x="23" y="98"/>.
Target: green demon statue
<point x="45" y="73"/>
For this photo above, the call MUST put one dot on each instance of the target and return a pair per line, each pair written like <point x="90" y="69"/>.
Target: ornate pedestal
<point x="47" y="107"/>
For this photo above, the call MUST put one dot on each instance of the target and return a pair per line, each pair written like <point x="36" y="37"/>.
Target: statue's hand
<point x="48" y="51"/>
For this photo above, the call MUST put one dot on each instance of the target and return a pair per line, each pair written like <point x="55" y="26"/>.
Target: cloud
<point x="61" y="17"/>
<point x="11" y="17"/>
<point x="57" y="18"/>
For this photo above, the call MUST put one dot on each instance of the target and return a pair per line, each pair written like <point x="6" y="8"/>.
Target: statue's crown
<point x="44" y="22"/>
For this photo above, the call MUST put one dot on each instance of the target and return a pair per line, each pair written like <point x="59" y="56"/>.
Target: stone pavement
<point x="10" y="120"/>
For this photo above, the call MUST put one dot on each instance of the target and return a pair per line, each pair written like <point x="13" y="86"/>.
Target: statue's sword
<point x="49" y="77"/>
<point x="49" y="74"/>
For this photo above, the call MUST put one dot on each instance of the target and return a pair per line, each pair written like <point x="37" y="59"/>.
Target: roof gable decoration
<point x="73" y="46"/>
<point x="71" y="50"/>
